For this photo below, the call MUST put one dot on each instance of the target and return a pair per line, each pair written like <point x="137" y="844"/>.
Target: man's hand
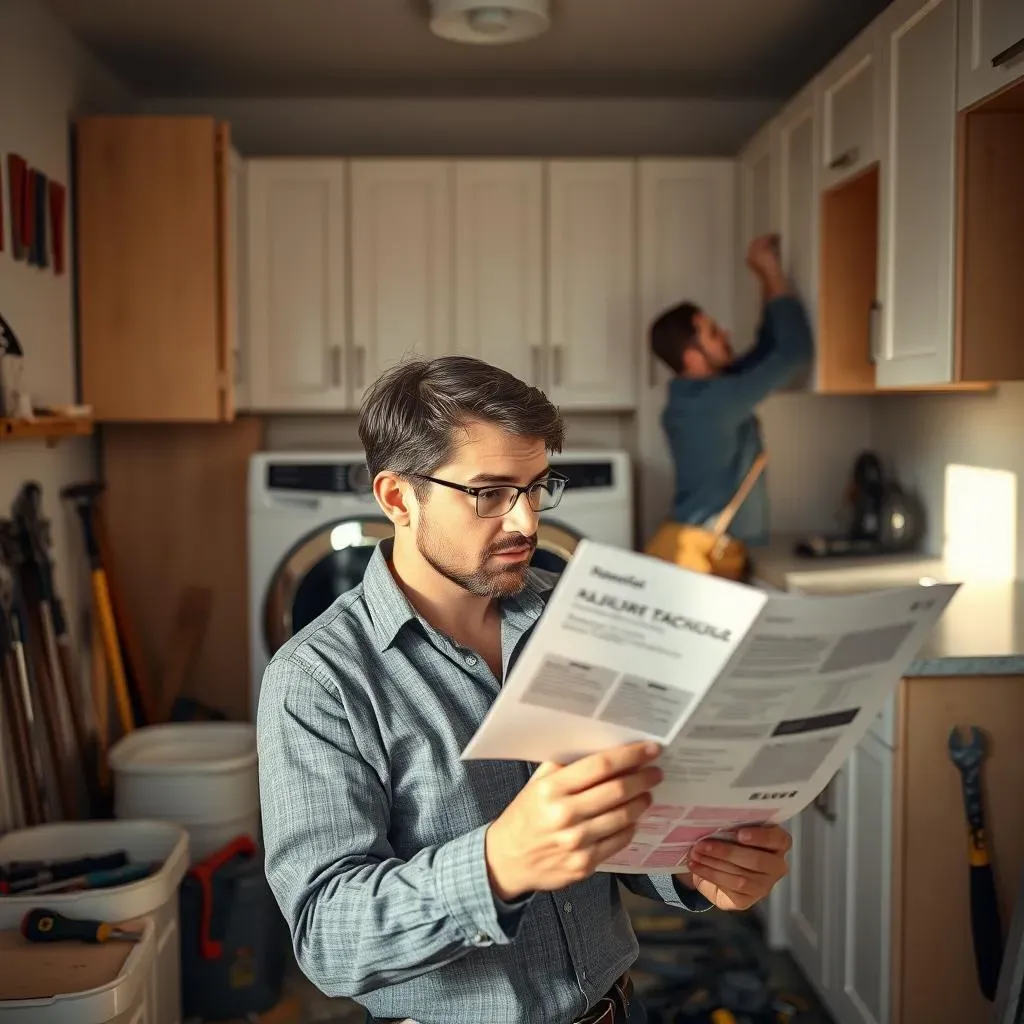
<point x="568" y="819"/>
<point x="763" y="254"/>
<point x="735" y="875"/>
<point x="764" y="260"/>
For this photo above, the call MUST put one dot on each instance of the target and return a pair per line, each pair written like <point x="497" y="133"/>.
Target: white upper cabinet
<point x="798" y="195"/>
<point x="849" y="109"/>
<point x="915" y="340"/>
<point x="591" y="315"/>
<point x="991" y="47"/>
<point x="685" y="237"/>
<point x="401" y="264"/>
<point x="758" y="187"/>
<point x="499" y="264"/>
<point x="295" y="322"/>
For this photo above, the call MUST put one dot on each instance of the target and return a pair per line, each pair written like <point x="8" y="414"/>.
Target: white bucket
<point x="122" y="1000"/>
<point x="202" y="775"/>
<point x="155" y="898"/>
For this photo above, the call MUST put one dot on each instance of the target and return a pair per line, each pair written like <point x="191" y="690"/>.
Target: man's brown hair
<point x="410" y="417"/>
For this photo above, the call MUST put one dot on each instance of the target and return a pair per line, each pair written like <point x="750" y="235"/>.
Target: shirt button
<point x="470" y="660"/>
<point x="567" y="907"/>
<point x="583" y="975"/>
<point x="480" y="939"/>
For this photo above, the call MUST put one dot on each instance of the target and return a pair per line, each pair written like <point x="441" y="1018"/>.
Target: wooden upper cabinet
<point x="990" y="231"/>
<point x="155" y="303"/>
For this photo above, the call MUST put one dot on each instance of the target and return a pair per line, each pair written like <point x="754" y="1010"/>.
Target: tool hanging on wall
<point x="19" y="700"/>
<point x="35" y="531"/>
<point x="986" y="928"/>
<point x="141" y="686"/>
<point x="83" y="497"/>
<point x="37" y="675"/>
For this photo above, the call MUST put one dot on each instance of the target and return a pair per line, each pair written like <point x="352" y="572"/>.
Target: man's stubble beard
<point x="443" y="557"/>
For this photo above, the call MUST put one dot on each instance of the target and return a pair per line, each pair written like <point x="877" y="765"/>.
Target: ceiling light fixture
<point x="477" y="21"/>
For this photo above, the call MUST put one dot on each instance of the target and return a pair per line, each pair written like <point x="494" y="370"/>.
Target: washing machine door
<point x="556" y="543"/>
<point x="331" y="560"/>
<point x="317" y="570"/>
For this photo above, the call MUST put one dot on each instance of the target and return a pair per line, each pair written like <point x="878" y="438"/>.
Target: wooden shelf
<point x="44" y="428"/>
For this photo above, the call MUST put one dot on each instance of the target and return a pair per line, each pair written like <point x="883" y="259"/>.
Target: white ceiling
<point x="736" y="48"/>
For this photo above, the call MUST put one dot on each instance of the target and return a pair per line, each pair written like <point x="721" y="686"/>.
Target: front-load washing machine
<point x="314" y="523"/>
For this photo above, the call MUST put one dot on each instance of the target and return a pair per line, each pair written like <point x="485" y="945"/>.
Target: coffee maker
<point x="878" y="517"/>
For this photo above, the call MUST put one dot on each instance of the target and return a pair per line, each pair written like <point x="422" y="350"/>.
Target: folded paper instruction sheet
<point x="757" y="698"/>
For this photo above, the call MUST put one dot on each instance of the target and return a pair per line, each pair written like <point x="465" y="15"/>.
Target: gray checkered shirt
<point x="374" y="827"/>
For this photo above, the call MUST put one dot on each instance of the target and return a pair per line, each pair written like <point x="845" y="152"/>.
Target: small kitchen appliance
<point x="878" y="516"/>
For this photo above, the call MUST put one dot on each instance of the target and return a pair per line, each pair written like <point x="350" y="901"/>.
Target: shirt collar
<point x="390" y="609"/>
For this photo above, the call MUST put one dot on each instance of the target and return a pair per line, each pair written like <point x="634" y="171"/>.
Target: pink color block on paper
<point x="689" y="835"/>
<point x="667" y="857"/>
<point x="667" y="812"/>
<point x="632" y="856"/>
<point x="653" y="826"/>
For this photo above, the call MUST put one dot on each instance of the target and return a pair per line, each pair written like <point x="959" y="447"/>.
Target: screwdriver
<point x="41" y="925"/>
<point x="95" y="879"/>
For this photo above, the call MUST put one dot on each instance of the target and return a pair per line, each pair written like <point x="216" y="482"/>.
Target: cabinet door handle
<point x="360" y="354"/>
<point x="336" y="365"/>
<point x="846" y="159"/>
<point x="1009" y="54"/>
<point x="535" y="365"/>
<point x="238" y="365"/>
<point x="556" y="362"/>
<point x="873" y="315"/>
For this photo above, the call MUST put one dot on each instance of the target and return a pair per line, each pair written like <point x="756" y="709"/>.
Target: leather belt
<point x="612" y="1008"/>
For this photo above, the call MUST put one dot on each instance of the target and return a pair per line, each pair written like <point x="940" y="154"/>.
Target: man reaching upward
<point x="709" y="419"/>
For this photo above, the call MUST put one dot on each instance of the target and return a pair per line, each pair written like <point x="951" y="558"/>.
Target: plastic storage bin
<point x="202" y="775"/>
<point x="156" y="897"/>
<point x="127" y="998"/>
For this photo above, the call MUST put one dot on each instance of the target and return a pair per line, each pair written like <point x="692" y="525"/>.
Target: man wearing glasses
<point x="428" y="888"/>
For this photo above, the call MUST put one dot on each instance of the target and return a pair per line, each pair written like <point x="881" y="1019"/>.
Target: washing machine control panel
<point x="319" y="477"/>
<point x="589" y="475"/>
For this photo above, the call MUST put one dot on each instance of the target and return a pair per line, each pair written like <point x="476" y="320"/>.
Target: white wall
<point x="963" y="454"/>
<point x="482" y="127"/>
<point x="45" y="77"/>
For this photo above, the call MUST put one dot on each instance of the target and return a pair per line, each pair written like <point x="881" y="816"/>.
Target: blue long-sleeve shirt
<point x="713" y="432"/>
<point x="374" y="826"/>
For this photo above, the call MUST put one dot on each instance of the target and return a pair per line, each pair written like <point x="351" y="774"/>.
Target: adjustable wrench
<point x="985" y="925"/>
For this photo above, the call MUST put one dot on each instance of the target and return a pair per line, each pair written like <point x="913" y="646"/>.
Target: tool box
<point x="234" y="941"/>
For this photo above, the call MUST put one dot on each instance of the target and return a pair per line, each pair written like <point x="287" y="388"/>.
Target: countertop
<point x="980" y="634"/>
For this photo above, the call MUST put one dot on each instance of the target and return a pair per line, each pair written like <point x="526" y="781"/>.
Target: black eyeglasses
<point x="494" y="500"/>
